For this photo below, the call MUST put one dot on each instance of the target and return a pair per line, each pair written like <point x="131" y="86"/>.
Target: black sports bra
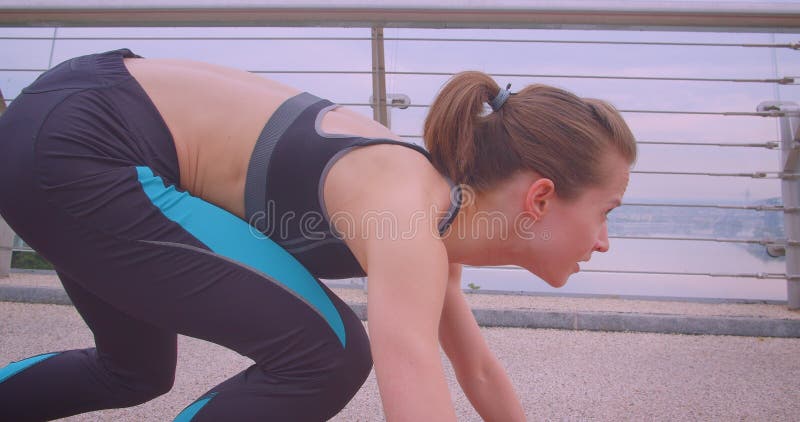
<point x="285" y="177"/>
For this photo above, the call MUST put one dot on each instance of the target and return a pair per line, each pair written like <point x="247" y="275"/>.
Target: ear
<point x="540" y="193"/>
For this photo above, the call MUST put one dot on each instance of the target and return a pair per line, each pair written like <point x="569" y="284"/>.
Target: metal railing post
<point x="6" y="244"/>
<point x="379" y="110"/>
<point x="6" y="234"/>
<point x="790" y="191"/>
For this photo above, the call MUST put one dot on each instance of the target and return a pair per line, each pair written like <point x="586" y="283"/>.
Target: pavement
<point x="588" y="359"/>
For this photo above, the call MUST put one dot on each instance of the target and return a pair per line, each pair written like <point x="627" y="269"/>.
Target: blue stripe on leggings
<point x="230" y="236"/>
<point x="192" y="409"/>
<point x="14" y="368"/>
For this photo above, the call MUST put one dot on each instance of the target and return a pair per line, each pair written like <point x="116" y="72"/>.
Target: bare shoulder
<point x="384" y="173"/>
<point x="384" y="187"/>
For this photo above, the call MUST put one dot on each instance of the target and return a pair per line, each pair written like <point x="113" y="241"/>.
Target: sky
<point x="508" y="58"/>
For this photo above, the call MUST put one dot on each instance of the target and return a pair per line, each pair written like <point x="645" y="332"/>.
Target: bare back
<point x="215" y="115"/>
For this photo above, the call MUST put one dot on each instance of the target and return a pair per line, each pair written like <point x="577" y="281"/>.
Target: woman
<point x="181" y="197"/>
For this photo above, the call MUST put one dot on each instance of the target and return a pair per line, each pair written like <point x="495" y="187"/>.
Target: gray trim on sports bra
<point x="322" y="206"/>
<point x="255" y="185"/>
<point x="455" y="192"/>
<point x="255" y="189"/>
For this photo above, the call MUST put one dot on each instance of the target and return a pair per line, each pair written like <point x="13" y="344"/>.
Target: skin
<point x="563" y="233"/>
<point x="406" y="300"/>
<point x="214" y="141"/>
<point x="415" y="302"/>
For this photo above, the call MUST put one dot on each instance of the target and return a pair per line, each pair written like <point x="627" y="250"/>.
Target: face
<point x="568" y="232"/>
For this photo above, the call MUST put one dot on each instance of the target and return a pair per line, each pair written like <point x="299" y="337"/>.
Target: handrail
<point x="732" y="16"/>
<point x="792" y="46"/>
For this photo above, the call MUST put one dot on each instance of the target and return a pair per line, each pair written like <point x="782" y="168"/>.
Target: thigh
<point x="122" y="341"/>
<point x="179" y="263"/>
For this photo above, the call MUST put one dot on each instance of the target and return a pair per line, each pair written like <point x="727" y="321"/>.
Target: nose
<point x="602" y="244"/>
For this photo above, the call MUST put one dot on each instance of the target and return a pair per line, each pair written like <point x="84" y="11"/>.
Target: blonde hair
<point x="548" y="130"/>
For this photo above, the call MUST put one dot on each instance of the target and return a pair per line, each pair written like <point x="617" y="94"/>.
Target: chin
<point x="557" y="283"/>
<point x="554" y="280"/>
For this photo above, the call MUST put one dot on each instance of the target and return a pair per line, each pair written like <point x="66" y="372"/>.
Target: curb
<point x="42" y="295"/>
<point x="515" y="318"/>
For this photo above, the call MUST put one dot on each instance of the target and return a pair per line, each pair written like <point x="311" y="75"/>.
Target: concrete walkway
<point x="559" y="374"/>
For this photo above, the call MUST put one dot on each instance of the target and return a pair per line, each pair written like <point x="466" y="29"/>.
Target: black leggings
<point x="88" y="178"/>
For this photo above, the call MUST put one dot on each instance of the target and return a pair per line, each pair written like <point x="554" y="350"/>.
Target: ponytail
<point x="450" y="128"/>
<point x="544" y="129"/>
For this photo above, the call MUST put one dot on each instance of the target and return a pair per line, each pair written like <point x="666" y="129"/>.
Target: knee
<point x="159" y="385"/>
<point x="353" y="363"/>
<point x="358" y="357"/>
<point x="330" y="365"/>
<point x="139" y="388"/>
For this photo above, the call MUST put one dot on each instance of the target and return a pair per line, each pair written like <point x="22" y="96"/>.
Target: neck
<point x="466" y="245"/>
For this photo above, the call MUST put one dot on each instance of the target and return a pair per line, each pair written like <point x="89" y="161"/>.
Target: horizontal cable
<point x="781" y="81"/>
<point x="758" y="114"/>
<point x="715" y="113"/>
<point x="793" y="46"/>
<point x="23" y="70"/>
<point x="727" y="207"/>
<point x="763" y="242"/>
<point x="767" y="145"/>
<point x="774" y="276"/>
<point x="756" y="175"/>
<point x="179" y="38"/>
<point x="772" y="113"/>
<point x="777" y="276"/>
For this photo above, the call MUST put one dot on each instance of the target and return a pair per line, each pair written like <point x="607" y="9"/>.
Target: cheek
<point x="578" y="235"/>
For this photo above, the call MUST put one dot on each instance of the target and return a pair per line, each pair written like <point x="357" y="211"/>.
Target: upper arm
<point x="407" y="266"/>
<point x="384" y="196"/>
<point x="387" y="195"/>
